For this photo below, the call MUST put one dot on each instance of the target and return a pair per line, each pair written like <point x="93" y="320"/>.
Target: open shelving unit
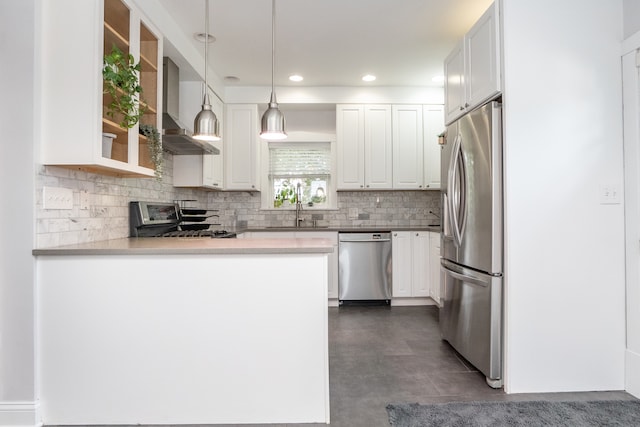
<point x="117" y="23"/>
<point x="74" y="114"/>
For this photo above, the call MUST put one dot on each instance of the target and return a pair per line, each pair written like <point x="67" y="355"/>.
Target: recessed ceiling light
<point x="368" y="78"/>
<point x="438" y="79"/>
<point x="231" y="79"/>
<point x="296" y="78"/>
<point x="201" y="37"/>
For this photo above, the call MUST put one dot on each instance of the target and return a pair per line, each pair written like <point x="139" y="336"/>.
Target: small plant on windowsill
<point x="155" y="148"/>
<point x="121" y="79"/>
<point x="286" y="195"/>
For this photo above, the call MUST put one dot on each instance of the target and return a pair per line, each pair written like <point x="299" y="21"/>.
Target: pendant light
<point x="273" y="119"/>
<point x="205" y="126"/>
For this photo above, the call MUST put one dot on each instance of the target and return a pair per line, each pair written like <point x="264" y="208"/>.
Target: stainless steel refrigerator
<point x="471" y="239"/>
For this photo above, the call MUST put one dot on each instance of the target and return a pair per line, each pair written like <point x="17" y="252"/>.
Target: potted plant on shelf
<point x="155" y="147"/>
<point x="121" y="81"/>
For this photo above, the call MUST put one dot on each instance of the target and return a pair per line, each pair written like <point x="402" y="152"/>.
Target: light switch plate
<point x="610" y="194"/>
<point x="57" y="198"/>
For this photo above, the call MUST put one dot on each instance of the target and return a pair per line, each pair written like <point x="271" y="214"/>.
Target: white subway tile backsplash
<point x="108" y="213"/>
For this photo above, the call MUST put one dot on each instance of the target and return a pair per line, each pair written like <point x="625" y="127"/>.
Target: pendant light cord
<point x="206" y="45"/>
<point x="273" y="43"/>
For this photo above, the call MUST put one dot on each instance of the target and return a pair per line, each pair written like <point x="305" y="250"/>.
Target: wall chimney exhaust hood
<point x="176" y="138"/>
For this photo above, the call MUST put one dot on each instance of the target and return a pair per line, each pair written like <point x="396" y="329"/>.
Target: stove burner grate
<point x="199" y="233"/>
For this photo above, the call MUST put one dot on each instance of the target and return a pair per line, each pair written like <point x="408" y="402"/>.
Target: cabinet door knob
<point x="466" y="105"/>
<point x="461" y="108"/>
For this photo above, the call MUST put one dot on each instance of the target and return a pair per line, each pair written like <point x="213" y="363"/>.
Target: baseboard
<point x="632" y="373"/>
<point x="412" y="301"/>
<point x="19" y="414"/>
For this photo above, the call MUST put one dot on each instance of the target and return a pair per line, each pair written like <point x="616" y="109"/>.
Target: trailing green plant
<point x="122" y="82"/>
<point x="286" y="193"/>
<point x="155" y="148"/>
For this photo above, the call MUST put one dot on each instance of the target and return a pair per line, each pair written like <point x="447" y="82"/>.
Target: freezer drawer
<point x="471" y="317"/>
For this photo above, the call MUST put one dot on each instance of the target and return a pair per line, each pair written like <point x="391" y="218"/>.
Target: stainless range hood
<point x="175" y="137"/>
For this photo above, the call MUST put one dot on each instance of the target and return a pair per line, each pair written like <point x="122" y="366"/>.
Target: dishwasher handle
<point x="365" y="241"/>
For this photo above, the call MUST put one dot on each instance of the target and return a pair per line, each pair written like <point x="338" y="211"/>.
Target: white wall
<point x="336" y="95"/>
<point x="631" y="94"/>
<point x="631" y="17"/>
<point x="565" y="300"/>
<point x="17" y="138"/>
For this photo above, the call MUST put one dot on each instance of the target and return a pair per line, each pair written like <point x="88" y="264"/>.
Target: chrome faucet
<point x="298" y="205"/>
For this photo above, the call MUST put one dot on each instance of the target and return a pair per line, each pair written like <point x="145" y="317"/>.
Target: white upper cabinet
<point x="201" y="170"/>
<point x="408" y="147"/>
<point x="241" y="149"/>
<point x="377" y="147"/>
<point x="364" y="147"/>
<point x="350" y="146"/>
<point x="433" y="125"/>
<point x="384" y="147"/>
<point x="454" y="83"/>
<point x="472" y="69"/>
<point x="77" y="35"/>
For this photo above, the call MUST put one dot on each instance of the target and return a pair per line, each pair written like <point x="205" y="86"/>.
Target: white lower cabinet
<point x="434" y="267"/>
<point x="410" y="263"/>
<point x="333" y="257"/>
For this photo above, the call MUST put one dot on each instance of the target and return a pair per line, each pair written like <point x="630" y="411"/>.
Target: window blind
<point x="300" y="161"/>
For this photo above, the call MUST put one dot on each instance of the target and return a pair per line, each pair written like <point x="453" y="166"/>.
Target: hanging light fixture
<point x="273" y="119"/>
<point x="205" y="126"/>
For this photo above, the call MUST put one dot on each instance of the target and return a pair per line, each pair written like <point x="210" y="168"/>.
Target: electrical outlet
<point x="609" y="194"/>
<point x="57" y="198"/>
<point x="353" y="213"/>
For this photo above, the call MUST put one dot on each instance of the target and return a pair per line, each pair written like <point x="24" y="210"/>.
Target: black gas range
<point x="166" y="219"/>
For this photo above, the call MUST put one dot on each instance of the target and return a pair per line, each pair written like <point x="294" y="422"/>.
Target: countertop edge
<point x="160" y="251"/>
<point x="384" y="229"/>
<point x="190" y="246"/>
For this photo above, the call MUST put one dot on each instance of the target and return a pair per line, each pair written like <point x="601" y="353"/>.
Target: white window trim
<point x="266" y="196"/>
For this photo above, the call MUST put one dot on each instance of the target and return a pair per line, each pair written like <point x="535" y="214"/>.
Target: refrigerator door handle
<point x="446" y="222"/>
<point x="454" y="190"/>
<point x="467" y="279"/>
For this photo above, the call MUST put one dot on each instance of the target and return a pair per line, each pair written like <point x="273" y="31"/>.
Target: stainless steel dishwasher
<point x="364" y="267"/>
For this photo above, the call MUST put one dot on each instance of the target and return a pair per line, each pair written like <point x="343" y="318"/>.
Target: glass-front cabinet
<point x="80" y="129"/>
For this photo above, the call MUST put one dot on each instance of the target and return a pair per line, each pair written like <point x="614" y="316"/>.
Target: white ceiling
<point x="329" y="42"/>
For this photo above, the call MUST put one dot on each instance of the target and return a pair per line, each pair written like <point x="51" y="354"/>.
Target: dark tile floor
<point x="381" y="355"/>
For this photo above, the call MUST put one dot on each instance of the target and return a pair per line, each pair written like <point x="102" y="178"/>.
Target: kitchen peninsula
<point x="183" y="331"/>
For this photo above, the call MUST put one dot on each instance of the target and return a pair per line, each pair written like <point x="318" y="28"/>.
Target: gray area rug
<point x="529" y="413"/>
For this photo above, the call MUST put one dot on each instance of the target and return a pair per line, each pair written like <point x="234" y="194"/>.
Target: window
<point x="299" y="169"/>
